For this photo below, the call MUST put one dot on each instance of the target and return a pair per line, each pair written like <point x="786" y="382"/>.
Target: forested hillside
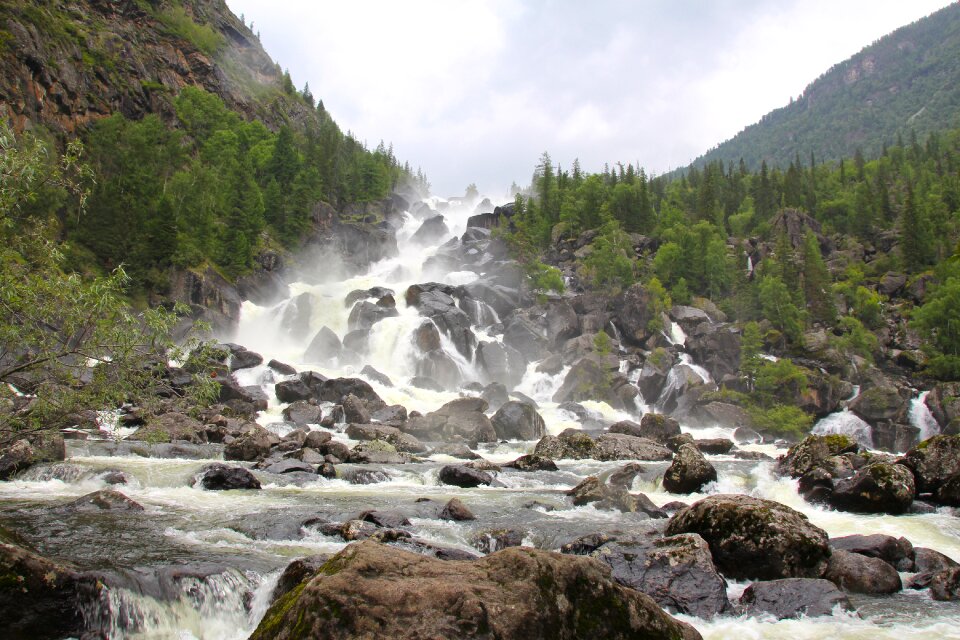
<point x="846" y="267"/>
<point x="907" y="83"/>
<point x="203" y="153"/>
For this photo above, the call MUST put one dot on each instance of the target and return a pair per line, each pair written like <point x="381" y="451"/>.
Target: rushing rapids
<point x="203" y="564"/>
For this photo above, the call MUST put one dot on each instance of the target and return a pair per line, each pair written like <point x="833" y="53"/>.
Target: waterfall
<point x="687" y="359"/>
<point x="921" y="418"/>
<point x="845" y="423"/>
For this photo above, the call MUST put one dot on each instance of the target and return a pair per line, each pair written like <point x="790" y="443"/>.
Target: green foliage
<point x="544" y="278"/>
<point x="181" y="24"/>
<point x="601" y="343"/>
<point x="70" y="341"/>
<point x="779" y="382"/>
<point x="938" y="320"/>
<point x="782" y="420"/>
<point x="609" y="265"/>
<point x="777" y="306"/>
<point x="660" y="303"/>
<point x="205" y="192"/>
<point x="856" y="338"/>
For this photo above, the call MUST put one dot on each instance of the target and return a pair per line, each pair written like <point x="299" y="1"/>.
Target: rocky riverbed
<point x="432" y="405"/>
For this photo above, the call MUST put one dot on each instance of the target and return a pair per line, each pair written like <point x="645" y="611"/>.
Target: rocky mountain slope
<point x="66" y="64"/>
<point x="906" y="82"/>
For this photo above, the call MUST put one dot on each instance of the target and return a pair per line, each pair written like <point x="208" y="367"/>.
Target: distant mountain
<point x="908" y="82"/>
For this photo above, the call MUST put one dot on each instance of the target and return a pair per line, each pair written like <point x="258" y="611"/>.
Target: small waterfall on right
<point x="922" y="419"/>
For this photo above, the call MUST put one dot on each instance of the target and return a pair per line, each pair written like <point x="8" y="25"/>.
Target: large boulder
<point x="460" y="419"/>
<point x="324" y="347"/>
<point x="39" y="598"/>
<point x="501" y="363"/>
<point x="811" y="453"/>
<point x="221" y="477"/>
<point x="633" y="314"/>
<point x="858" y="573"/>
<point x="755" y="538"/>
<point x="933" y="462"/>
<point x="880" y="487"/>
<point x="945" y="585"/>
<point x="403" y="442"/>
<point x="689" y="471"/>
<point x="23" y="453"/>
<point x="897" y="552"/>
<point x="462" y="476"/>
<point x="794" y="597"/>
<point x="336" y="389"/>
<point x="879" y="403"/>
<point x="657" y="427"/>
<point x="518" y="421"/>
<point x="569" y="444"/>
<point x="620" y="446"/>
<point x="676" y="571"/>
<point x="590" y="380"/>
<point x="370" y="590"/>
<point x="253" y="445"/>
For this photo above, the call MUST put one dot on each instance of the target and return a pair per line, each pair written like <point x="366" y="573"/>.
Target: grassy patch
<point x="176" y="21"/>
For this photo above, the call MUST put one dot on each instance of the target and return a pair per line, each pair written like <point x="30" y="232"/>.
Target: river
<point x="202" y="564"/>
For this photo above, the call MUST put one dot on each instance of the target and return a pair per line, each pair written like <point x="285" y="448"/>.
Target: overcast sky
<point x="475" y="91"/>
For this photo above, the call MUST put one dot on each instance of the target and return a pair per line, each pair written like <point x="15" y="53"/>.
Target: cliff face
<point x="64" y="64"/>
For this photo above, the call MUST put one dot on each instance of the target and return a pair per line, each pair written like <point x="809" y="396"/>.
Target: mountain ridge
<point x="907" y="82"/>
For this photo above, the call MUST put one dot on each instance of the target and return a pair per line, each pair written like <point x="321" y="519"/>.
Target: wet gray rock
<point x="537" y="594"/>
<point x="930" y="561"/>
<point x="876" y="488"/>
<point x="461" y="419"/>
<point x="493" y="540"/>
<point x="220" y="477"/>
<point x="755" y="538"/>
<point x="103" y="500"/>
<point x="501" y="363"/>
<point x="689" y="471"/>
<point x="933" y="462"/>
<point x="302" y="413"/>
<point x="676" y="571"/>
<point x="324" y="347"/>
<point x="290" y="465"/>
<point x="625" y="475"/>
<point x="945" y="585"/>
<point x="253" y="445"/>
<point x="518" y="421"/>
<point x="281" y="368"/>
<point x="862" y="574"/>
<point x="714" y="446"/>
<point x="897" y="552"/>
<point x="462" y="476"/>
<point x="532" y="463"/>
<point x="457" y="511"/>
<point x="658" y="427"/>
<point x="811" y="452"/>
<point x="354" y="409"/>
<point x="620" y="446"/>
<point x="793" y="598"/>
<point x="403" y="442"/>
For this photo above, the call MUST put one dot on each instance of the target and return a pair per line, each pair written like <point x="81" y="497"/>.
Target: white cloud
<point x="475" y="91"/>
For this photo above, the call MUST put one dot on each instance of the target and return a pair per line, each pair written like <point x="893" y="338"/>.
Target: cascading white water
<point x="687" y="359"/>
<point x="922" y="418"/>
<point x="259" y="532"/>
<point x="845" y="423"/>
<point x="677" y="335"/>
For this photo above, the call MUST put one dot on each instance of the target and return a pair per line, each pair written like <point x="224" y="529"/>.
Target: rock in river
<point x="755" y="538"/>
<point x="373" y="590"/>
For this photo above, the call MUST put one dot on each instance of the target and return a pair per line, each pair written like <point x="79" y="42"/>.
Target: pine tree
<point x="816" y="282"/>
<point x="915" y="242"/>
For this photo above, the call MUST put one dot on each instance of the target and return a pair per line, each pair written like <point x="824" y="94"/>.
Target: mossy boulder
<point x="39" y="598"/>
<point x="933" y="462"/>
<point x="752" y="538"/>
<point x="876" y="488"/>
<point x="170" y="427"/>
<point x="811" y="453"/>
<point x="373" y="590"/>
<point x="689" y="471"/>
